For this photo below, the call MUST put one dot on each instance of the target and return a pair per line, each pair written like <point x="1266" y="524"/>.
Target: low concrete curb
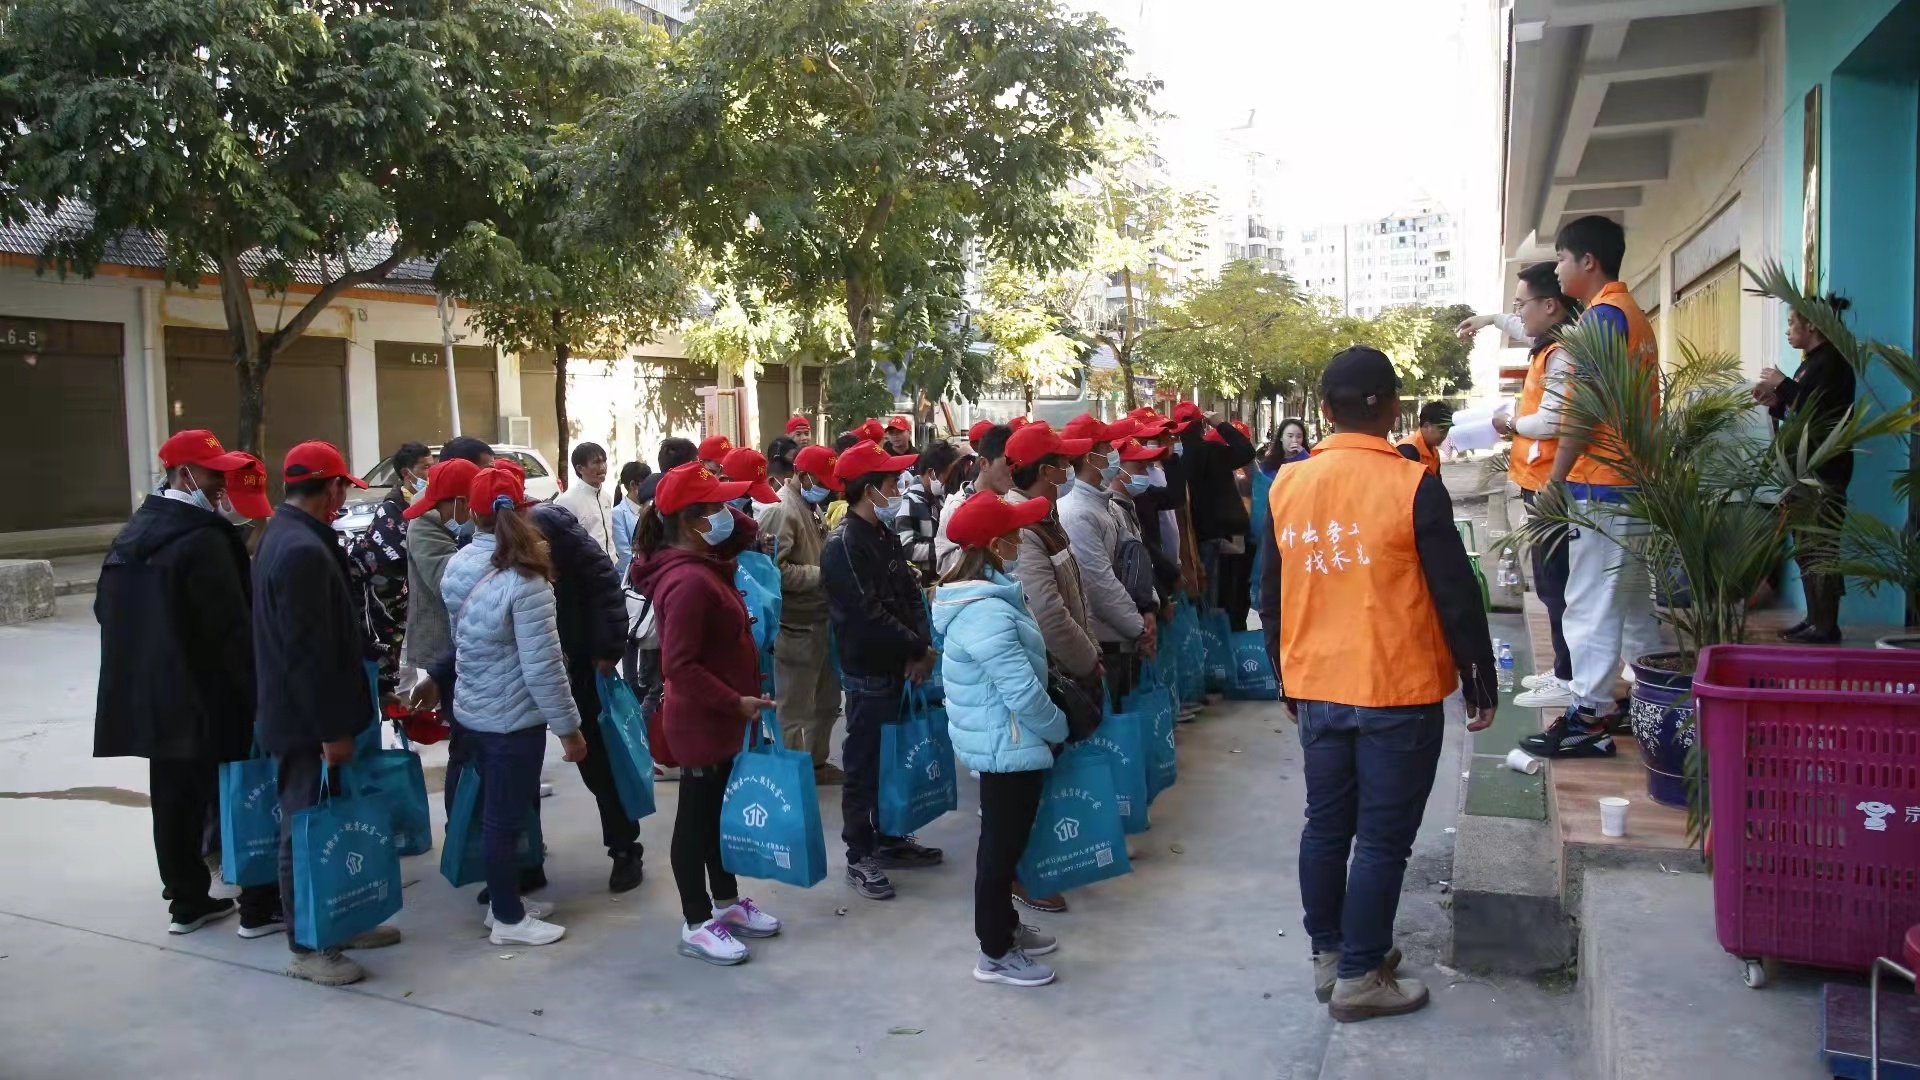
<point x="26" y="590"/>
<point x="1507" y="916"/>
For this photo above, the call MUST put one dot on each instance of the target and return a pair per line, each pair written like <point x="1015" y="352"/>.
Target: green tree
<point x="1419" y="339"/>
<point x="541" y="271"/>
<point x="853" y="151"/>
<point x="1026" y="347"/>
<point x="260" y="140"/>
<point x="1229" y="333"/>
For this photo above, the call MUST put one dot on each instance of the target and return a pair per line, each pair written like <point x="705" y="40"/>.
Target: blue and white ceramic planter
<point x="1662" y="717"/>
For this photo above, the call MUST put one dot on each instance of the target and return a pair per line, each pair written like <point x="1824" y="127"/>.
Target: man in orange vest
<point x="1609" y="599"/>
<point x="1359" y="529"/>
<point x="1423" y="446"/>
<point x="1540" y="309"/>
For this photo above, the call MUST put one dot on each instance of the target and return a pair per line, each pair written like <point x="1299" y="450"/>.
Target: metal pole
<point x="445" y="307"/>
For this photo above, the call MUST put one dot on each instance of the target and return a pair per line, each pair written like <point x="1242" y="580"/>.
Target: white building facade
<point x="1411" y="256"/>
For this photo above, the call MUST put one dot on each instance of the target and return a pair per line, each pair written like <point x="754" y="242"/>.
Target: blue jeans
<point x="1369" y="772"/>
<point x="509" y="770"/>
<point x="872" y="700"/>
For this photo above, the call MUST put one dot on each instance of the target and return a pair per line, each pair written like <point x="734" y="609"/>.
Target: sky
<point x="1363" y="104"/>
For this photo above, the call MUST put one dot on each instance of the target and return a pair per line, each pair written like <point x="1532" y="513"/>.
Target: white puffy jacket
<point x="506" y="646"/>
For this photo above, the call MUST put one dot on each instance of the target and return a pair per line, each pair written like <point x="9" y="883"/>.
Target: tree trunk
<point x="1126" y="374"/>
<point x="251" y="371"/>
<point x="1028" y="387"/>
<point x="1126" y="336"/>
<point x="560" y="354"/>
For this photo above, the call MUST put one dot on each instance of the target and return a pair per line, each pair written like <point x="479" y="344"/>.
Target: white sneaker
<point x="1626" y="673"/>
<point x="1532" y="682"/>
<point x="746" y="920"/>
<point x="1552" y="694"/>
<point x="538" y="909"/>
<point x="546" y="790"/>
<point x="528" y="931"/>
<point x="666" y="772"/>
<point x="712" y="943"/>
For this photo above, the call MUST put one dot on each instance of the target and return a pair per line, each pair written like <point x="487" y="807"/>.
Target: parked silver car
<point x="541" y="484"/>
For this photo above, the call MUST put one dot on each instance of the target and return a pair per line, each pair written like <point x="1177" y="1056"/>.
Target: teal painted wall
<point x="1868" y="165"/>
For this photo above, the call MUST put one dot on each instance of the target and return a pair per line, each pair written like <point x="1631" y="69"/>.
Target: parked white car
<point x="541" y="484"/>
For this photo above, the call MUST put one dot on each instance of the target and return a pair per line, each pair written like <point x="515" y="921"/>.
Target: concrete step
<point x="1663" y="1000"/>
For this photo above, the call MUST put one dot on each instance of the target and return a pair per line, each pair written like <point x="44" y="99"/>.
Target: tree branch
<point x="236" y="297"/>
<point x="331" y="291"/>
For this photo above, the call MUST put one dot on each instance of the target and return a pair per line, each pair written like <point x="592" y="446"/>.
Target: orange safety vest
<point x="1530" y="462"/>
<point x="1357" y="624"/>
<point x="1642" y="349"/>
<point x="1428" y="459"/>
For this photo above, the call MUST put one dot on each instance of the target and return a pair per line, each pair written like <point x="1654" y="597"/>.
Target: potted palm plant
<point x="1712" y="504"/>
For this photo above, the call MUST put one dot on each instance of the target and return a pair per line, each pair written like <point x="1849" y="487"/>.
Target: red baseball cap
<point x="1037" y="440"/>
<point x="749" y="465"/>
<point x="1090" y="427"/>
<point x="489" y="486"/>
<point x="1019" y="422"/>
<point x="317" y="460"/>
<point x="863" y="458"/>
<point x="986" y="516"/>
<point x="818" y="462"/>
<point x="715" y="447"/>
<point x="870" y="430"/>
<point x="1131" y="450"/>
<point x="978" y="431"/>
<point x="692" y="483"/>
<point x="798" y="423"/>
<point x="198" y="446"/>
<point x="449" y="479"/>
<point x="1151" y="429"/>
<point x="1241" y="427"/>
<point x="247" y="489"/>
<point x="899" y="423"/>
<point x="1213" y="436"/>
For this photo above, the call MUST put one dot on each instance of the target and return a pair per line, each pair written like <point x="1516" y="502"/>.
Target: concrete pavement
<point x="1175" y="970"/>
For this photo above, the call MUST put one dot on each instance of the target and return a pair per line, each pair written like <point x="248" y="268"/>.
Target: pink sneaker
<point x="746" y="920"/>
<point x="712" y="943"/>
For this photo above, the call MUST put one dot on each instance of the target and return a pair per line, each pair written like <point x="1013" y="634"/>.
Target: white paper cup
<point x="1522" y="762"/>
<point x="1613" y="816"/>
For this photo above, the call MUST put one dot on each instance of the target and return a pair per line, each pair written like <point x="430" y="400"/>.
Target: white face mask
<point x="936" y="489"/>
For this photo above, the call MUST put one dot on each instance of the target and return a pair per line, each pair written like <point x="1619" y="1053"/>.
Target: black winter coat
<point x="307" y="638"/>
<point x="874" y="601"/>
<point x="591" y="604"/>
<point x="1213" y="496"/>
<point x="176" y="638"/>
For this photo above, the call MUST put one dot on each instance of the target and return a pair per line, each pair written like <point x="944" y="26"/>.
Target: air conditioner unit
<point x="516" y="430"/>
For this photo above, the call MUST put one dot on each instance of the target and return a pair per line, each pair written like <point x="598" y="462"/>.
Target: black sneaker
<point x="1577" y="733"/>
<point x="1811" y="635"/>
<point x="869" y="880"/>
<point x="187" y="920"/>
<point x="626" y="871"/>
<point x="252" y="926"/>
<point x="905" y="853"/>
<point x="1797" y="628"/>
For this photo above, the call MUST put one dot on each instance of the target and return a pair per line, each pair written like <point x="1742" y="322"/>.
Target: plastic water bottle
<point x="1505" y="576"/>
<point x="1505" y="654"/>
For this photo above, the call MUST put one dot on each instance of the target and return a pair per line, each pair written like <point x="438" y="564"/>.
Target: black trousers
<point x="1236" y="583"/>
<point x="1550" y="585"/>
<point x="695" y="854"/>
<point x="1008" y="804"/>
<point x="617" y="831"/>
<point x="1119" y="662"/>
<point x="184" y="794"/>
<point x="299" y="786"/>
<point x="1823" y="590"/>
<point x="872" y="700"/>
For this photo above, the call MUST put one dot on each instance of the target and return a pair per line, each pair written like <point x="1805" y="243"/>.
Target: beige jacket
<point x="1050" y="579"/>
<point x="801" y="533"/>
<point x="592" y="506"/>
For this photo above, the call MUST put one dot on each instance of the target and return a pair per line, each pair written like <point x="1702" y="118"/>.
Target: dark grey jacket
<point x="307" y="638"/>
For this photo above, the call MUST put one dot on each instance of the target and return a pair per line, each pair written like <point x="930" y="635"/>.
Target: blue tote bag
<point x="249" y="821"/>
<point x="916" y="768"/>
<point x="1160" y="708"/>
<point x="624" y="736"/>
<point x="1121" y="740"/>
<point x="463" y="857"/>
<point x="1077" y="837"/>
<point x="1252" y="669"/>
<point x="396" y="778"/>
<point x="770" y="816"/>
<point x="346" y="870"/>
<point x="367" y="742"/>
<point x="1216" y="642"/>
<point x="758" y="581"/>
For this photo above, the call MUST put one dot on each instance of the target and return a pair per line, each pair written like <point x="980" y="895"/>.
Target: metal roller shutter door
<point x="412" y="386"/>
<point x="306" y="393"/>
<point x="64" y="405"/>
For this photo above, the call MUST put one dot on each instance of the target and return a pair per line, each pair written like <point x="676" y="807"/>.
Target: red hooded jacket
<point x="707" y="657"/>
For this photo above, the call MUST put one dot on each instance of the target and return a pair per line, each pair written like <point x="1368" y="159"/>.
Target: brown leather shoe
<point x="1050" y="905"/>
<point x="1326" y="969"/>
<point x="1377" y="993"/>
<point x="828" y="775"/>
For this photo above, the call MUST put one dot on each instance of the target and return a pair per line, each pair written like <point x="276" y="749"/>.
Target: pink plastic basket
<point x="1814" y="766"/>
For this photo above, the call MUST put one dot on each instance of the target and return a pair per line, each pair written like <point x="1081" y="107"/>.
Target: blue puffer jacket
<point x="995" y="670"/>
<point x="506" y="646"/>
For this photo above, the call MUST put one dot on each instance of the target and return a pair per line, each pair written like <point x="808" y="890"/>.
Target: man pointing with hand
<point x="1374" y="617"/>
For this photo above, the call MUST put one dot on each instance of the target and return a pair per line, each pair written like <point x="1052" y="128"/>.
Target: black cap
<point x="1359" y="377"/>
<point x="644" y="493"/>
<point x="1437" y="412"/>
